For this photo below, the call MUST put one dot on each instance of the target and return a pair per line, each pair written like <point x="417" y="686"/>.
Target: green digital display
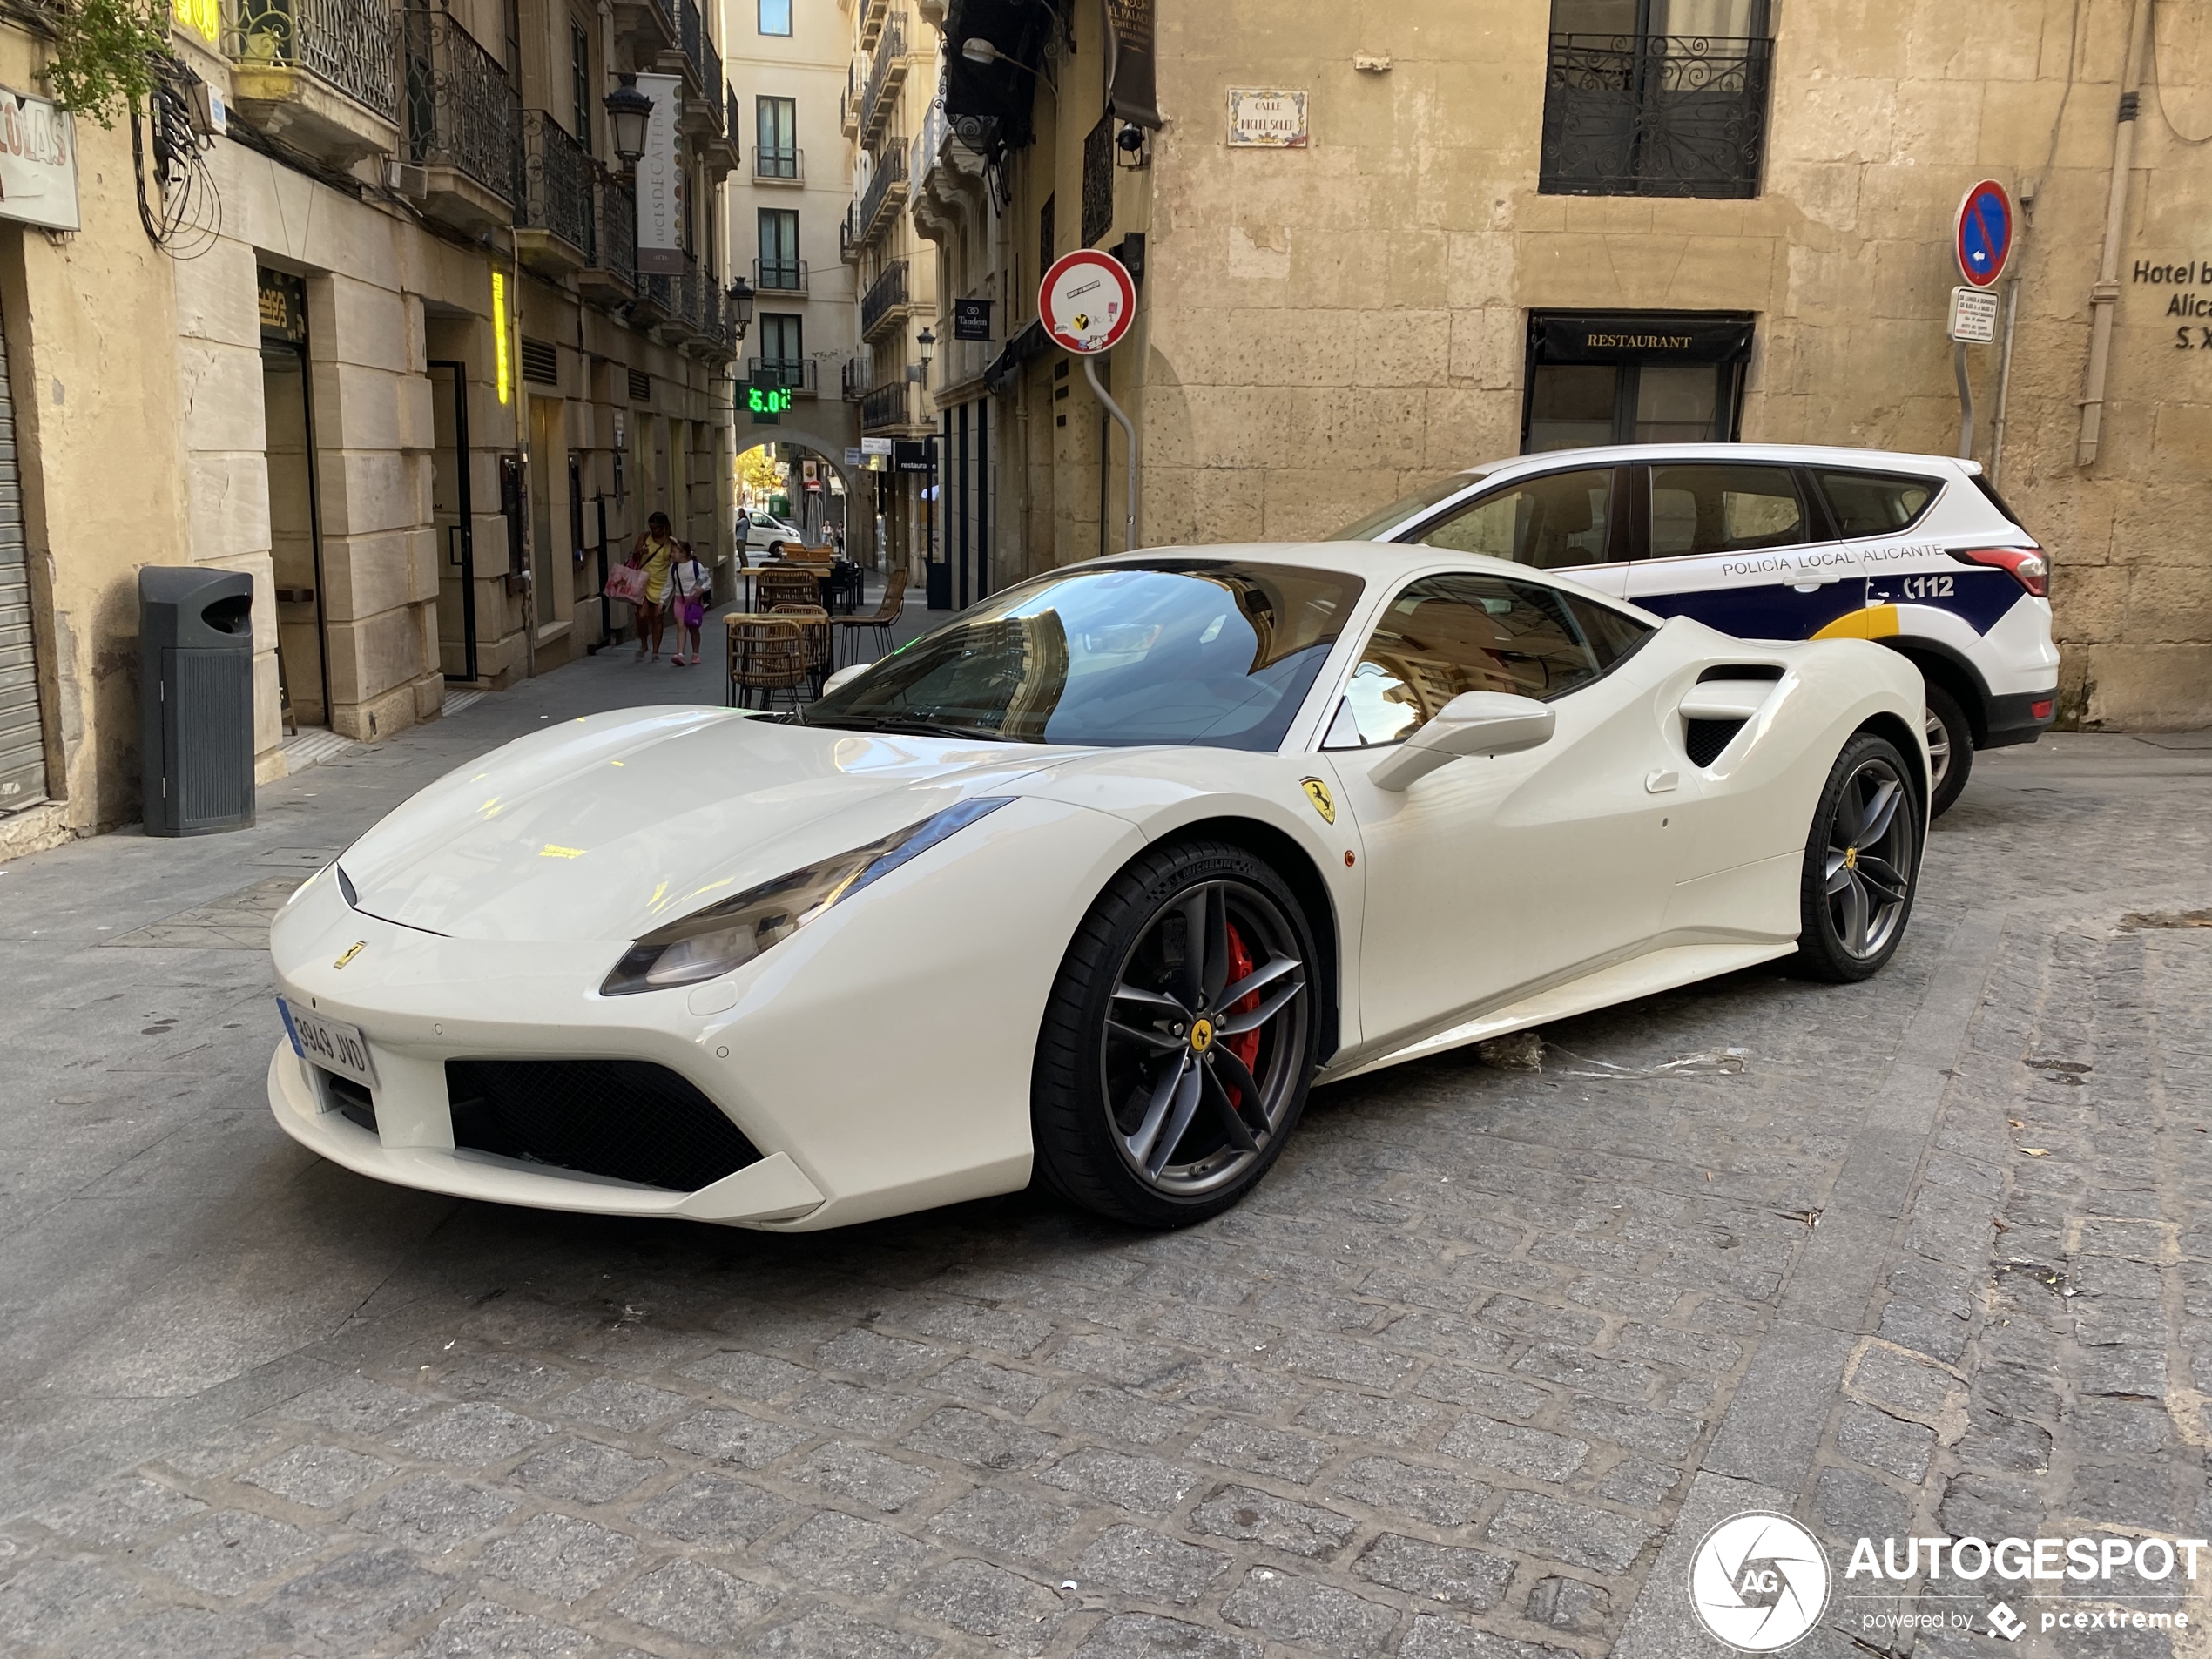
<point x="767" y="403"/>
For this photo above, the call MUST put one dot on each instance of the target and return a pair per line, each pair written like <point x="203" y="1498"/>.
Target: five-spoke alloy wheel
<point x="1180" y="1039"/>
<point x="1862" y="862"/>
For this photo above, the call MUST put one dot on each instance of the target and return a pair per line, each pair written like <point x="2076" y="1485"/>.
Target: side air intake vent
<point x="1706" y="738"/>
<point x="629" y="1119"/>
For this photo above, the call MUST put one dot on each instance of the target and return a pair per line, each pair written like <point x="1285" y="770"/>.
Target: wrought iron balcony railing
<point x="350" y="44"/>
<point x="779" y="276"/>
<point x="887" y="69"/>
<point x="711" y="68"/>
<point x="615" y="248"/>
<point x="789" y="164"/>
<point x="890" y="175"/>
<point x="855" y="378"/>
<point x="557" y="184"/>
<point x="681" y="297"/>
<point x="800" y="374"/>
<point x="886" y="292"/>
<point x="691" y="29"/>
<point x="730" y="113"/>
<point x="461" y="110"/>
<point x="1655" y="115"/>
<point x="890" y="404"/>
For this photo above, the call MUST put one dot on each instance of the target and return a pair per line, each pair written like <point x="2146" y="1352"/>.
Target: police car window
<point x="1449" y="634"/>
<point x="1555" y="521"/>
<point x="1723" y="508"/>
<point x="1871" y="504"/>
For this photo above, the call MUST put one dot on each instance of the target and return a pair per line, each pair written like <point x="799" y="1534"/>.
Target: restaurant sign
<point x="37" y="162"/>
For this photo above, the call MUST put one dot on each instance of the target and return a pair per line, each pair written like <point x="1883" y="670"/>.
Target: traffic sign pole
<point x="1087" y="301"/>
<point x="1981" y="240"/>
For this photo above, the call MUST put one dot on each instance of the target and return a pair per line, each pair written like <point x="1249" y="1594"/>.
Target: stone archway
<point x="830" y="454"/>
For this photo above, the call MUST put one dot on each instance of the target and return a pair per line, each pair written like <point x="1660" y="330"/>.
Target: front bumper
<point x="2021" y="717"/>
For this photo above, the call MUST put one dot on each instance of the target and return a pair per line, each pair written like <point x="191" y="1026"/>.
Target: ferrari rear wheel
<point x="1862" y="863"/>
<point x="1179" y="1042"/>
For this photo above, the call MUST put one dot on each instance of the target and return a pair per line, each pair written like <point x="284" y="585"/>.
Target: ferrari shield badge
<point x="354" y="950"/>
<point x="1318" y="793"/>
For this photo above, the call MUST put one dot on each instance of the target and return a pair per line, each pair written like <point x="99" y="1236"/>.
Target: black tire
<point x="1862" y="864"/>
<point x="1950" y="750"/>
<point x="776" y="550"/>
<point x="1107" y="1094"/>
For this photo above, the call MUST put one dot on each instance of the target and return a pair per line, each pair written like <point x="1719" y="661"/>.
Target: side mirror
<point x="1474" y="722"/>
<point x="845" y="677"/>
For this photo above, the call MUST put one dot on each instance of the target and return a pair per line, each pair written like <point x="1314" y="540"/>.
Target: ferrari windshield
<point x="1214" y="652"/>
<point x="1390" y="517"/>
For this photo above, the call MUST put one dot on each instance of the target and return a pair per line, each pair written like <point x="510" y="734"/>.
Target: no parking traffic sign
<point x="1983" y="235"/>
<point x="1087" y="301"/>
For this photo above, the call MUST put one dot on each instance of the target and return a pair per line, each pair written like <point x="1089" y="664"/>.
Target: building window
<point x="580" y="82"/>
<point x="1655" y="98"/>
<point x="1649" y="377"/>
<point x="783" y="346"/>
<point x="1098" y="180"/>
<point x="775" y="151"/>
<point x="779" y="269"/>
<point x="775" y="16"/>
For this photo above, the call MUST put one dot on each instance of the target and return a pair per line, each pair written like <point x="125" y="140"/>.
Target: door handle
<point x="1659" y="782"/>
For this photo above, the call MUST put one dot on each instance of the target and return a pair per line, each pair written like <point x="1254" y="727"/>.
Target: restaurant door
<point x="1634" y="377"/>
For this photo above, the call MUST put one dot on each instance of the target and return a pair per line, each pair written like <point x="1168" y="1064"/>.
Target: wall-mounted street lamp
<point x="928" y="342"/>
<point x="741" y="305"/>
<point x="628" y="112"/>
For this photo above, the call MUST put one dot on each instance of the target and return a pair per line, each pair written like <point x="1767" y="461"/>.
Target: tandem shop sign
<point x="37" y="162"/>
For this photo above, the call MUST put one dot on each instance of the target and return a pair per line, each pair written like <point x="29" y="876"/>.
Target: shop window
<point x="1652" y="377"/>
<point x="1657" y="97"/>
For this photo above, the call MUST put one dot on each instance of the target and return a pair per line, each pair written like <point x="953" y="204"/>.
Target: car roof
<point x="1615" y="455"/>
<point x="1367" y="560"/>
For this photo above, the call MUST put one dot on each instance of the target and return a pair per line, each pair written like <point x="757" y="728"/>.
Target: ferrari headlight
<point x="709" y="943"/>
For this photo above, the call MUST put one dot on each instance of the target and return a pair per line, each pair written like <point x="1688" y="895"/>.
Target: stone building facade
<point x="1327" y="322"/>
<point x="390" y="351"/>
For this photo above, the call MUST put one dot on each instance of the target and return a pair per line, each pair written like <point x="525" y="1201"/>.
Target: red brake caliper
<point x="1245" y="1048"/>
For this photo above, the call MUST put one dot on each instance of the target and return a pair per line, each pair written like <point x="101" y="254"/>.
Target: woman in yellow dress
<point x="655" y="552"/>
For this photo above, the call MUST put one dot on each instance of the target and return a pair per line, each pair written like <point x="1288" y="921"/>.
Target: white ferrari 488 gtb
<point x="1090" y="885"/>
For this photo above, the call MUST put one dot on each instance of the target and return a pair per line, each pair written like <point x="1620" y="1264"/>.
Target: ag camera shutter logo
<point x="1758" y="1581"/>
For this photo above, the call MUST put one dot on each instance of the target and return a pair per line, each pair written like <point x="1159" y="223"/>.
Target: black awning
<point x="1132" y="96"/>
<point x="1027" y="346"/>
<point x="1625" y="336"/>
<point x="988" y="105"/>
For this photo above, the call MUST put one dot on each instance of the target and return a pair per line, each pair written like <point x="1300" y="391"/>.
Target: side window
<point x="1446" y="635"/>
<point x="1612" y="634"/>
<point x="1723" y="509"/>
<point x="1871" y="504"/>
<point x="1557" y="520"/>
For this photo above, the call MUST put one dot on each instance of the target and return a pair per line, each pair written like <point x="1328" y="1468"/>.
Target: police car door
<point x="1740" y="546"/>
<point x="1913" y="585"/>
<point x="1569" y="521"/>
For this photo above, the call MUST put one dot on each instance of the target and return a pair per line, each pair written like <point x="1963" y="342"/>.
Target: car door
<point x="1491" y="876"/>
<point x="1740" y="546"/>
<point x="1564" y="521"/>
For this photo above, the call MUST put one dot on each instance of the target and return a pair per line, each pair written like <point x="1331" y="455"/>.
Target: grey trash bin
<point x="196" y="698"/>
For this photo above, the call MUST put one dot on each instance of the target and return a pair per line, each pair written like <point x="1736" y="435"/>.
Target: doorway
<point x="1641" y="377"/>
<point x="295" y="521"/>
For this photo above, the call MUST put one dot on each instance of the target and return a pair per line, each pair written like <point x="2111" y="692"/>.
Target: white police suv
<point x="1785" y="542"/>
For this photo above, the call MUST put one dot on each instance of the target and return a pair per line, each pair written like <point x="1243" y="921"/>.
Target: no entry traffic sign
<point x="1983" y="236"/>
<point x="1087" y="301"/>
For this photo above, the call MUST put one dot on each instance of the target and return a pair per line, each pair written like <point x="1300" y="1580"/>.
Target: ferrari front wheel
<point x="1179" y="1041"/>
<point x="1862" y="863"/>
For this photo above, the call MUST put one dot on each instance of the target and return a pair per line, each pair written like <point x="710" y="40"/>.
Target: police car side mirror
<point x="1473" y="723"/>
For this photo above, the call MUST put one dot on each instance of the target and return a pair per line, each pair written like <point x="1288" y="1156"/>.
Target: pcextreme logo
<point x="1758" y="1581"/>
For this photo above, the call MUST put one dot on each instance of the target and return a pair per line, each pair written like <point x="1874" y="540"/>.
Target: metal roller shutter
<point x="22" y="743"/>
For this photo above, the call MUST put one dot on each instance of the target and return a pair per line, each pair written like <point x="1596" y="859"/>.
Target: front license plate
<point x="332" y="1044"/>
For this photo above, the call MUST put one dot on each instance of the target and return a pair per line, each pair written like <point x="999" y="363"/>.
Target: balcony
<point x="871" y="16"/>
<point x="801" y="374"/>
<point x="778" y="167"/>
<point x="855" y="378"/>
<point x="323" y="75"/>
<point x="1655" y="115"/>
<point x="674" y="303"/>
<point x="779" y="276"/>
<point x="612" y="275"/>
<point x="889" y="405"/>
<point x="556" y="222"/>
<point x="886" y="74"/>
<point x="886" y="300"/>
<point x="463" y="124"/>
<point x="848" y="234"/>
<point x="690" y="31"/>
<point x="650" y="26"/>
<point x="887" y="190"/>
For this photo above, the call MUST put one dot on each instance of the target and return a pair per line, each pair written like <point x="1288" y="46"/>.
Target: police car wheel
<point x="1950" y="750"/>
<point x="1862" y="863"/>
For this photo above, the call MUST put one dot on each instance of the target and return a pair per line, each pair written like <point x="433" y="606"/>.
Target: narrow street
<point x="1470" y="1374"/>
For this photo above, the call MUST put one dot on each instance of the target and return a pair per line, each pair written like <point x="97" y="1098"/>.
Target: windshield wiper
<point x="918" y="728"/>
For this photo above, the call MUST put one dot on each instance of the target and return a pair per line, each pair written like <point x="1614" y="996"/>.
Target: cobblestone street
<point x="1470" y="1375"/>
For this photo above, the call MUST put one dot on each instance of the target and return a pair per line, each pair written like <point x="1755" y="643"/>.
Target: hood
<point x="607" y="827"/>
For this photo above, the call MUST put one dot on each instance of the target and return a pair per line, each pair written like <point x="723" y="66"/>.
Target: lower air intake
<point x="628" y="1119"/>
<point x="1706" y="738"/>
<point x="351" y="1102"/>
